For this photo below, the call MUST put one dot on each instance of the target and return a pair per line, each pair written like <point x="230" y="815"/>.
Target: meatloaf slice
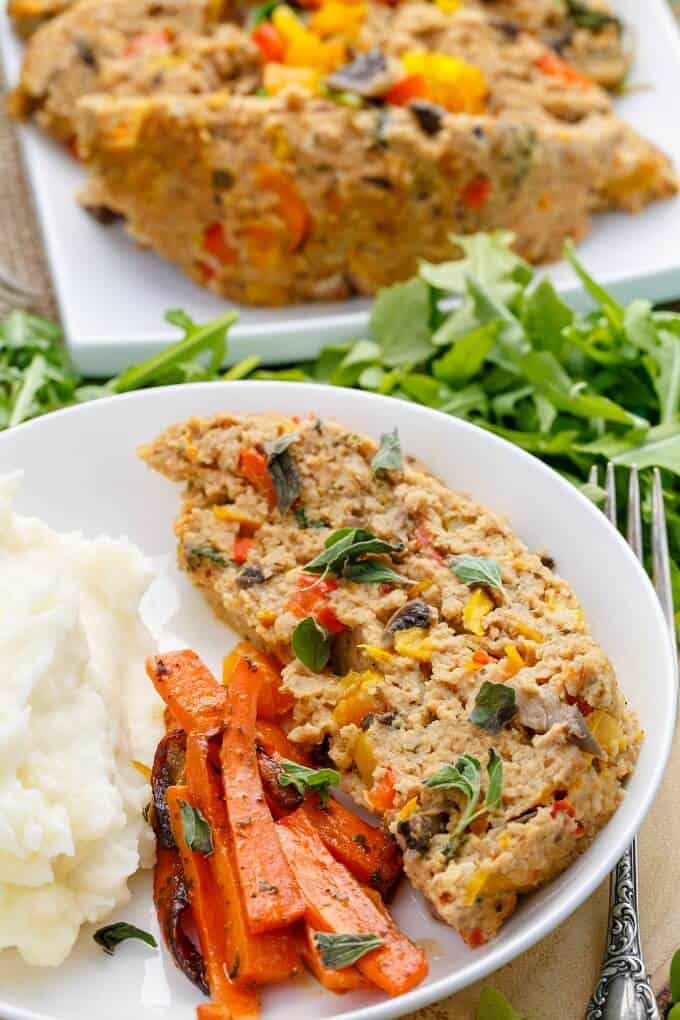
<point x="129" y="46"/>
<point x="409" y="658"/>
<point x="325" y="201"/>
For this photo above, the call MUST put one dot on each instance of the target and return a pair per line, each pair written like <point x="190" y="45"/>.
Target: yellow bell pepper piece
<point x="452" y="83"/>
<point x="336" y="18"/>
<point x="528" y="632"/>
<point x="448" y="6"/>
<point x="409" y="808"/>
<point x="303" y="47"/>
<point x="485" y="881"/>
<point x="230" y="513"/>
<point x="376" y="652"/>
<point x="360" y="699"/>
<point x="413" y="643"/>
<point x="277" y="77"/>
<point x="364" y="758"/>
<point x="514" y="661"/>
<point x="143" y="769"/>
<point x="476" y="608"/>
<point x="607" y="731"/>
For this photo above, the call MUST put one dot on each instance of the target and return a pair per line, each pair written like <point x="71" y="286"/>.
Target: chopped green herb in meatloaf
<point x="450" y="673"/>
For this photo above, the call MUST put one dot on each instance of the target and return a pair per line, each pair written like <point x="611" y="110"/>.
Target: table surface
<point x="556" y="977"/>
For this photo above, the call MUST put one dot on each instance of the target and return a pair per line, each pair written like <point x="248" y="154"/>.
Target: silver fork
<point x="623" y="991"/>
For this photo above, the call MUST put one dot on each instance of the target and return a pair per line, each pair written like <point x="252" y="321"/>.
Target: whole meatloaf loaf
<point x="296" y="198"/>
<point x="450" y="674"/>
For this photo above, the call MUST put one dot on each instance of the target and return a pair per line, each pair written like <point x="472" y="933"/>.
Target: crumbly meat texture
<point x="327" y="201"/>
<point x="417" y="693"/>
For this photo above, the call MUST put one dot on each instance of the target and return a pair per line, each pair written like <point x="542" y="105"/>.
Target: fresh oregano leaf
<point x="196" y="829"/>
<point x="194" y="554"/>
<point x="339" y="951"/>
<point x="373" y="572"/>
<point x="495" y="705"/>
<point x="388" y="457"/>
<point x="304" y="779"/>
<point x="345" y="546"/>
<point x="477" y="570"/>
<point x="466" y="777"/>
<point x="282" y="470"/>
<point x="111" y="935"/>
<point x="494" y="770"/>
<point x="311" y="644"/>
<point x="304" y="521"/>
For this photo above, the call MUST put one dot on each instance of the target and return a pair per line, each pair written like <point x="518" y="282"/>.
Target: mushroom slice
<point x="544" y="709"/>
<point x="371" y="75"/>
<point x="414" y="613"/>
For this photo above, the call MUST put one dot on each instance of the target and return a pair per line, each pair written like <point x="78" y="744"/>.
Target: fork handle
<point x="623" y="991"/>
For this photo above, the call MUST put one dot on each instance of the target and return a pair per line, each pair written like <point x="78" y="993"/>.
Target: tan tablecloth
<point x="554" y="979"/>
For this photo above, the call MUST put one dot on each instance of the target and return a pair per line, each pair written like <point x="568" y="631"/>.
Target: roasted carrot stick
<point x="271" y="895"/>
<point x="337" y="903"/>
<point x="208" y="912"/>
<point x="273" y="702"/>
<point x="273" y="739"/>
<point x="364" y="850"/>
<point x="258" y="959"/>
<point x="346" y="979"/>
<point x="189" y="689"/>
<point x="171" y="898"/>
<point x="213" y="1011"/>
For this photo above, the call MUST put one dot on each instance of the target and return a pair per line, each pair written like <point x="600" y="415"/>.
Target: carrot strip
<point x="171" y="899"/>
<point x="213" y="1011"/>
<point x="364" y="850"/>
<point x="271" y="894"/>
<point x="346" y="979"/>
<point x="274" y="740"/>
<point x="273" y="702"/>
<point x="208" y="912"/>
<point x="337" y="903"/>
<point x="189" y="689"/>
<point x="258" y="959"/>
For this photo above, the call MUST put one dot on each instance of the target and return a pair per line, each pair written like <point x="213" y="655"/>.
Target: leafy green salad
<point x="509" y="355"/>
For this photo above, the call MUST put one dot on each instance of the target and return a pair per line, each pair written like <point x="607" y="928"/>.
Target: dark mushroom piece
<point x="414" y="613"/>
<point x="250" y="576"/>
<point x="168" y="770"/>
<point x="429" y="116"/>
<point x="371" y="75"/>
<point x="544" y="709"/>
<point x="171" y="898"/>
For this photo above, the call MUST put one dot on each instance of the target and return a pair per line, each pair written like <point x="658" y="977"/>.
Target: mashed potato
<point x="75" y="711"/>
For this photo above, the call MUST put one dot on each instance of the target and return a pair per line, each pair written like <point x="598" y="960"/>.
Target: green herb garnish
<point x="495" y="705"/>
<point x="342" y="552"/>
<point x="494" y="1006"/>
<point x="196" y="829"/>
<point x="282" y="470"/>
<point x="304" y="779"/>
<point x="339" y="951"/>
<point x="388" y="457"/>
<point x="304" y="521"/>
<point x="373" y="572"/>
<point x="477" y="570"/>
<point x="263" y="12"/>
<point x="589" y="17"/>
<point x="195" y="553"/>
<point x="111" y="935"/>
<point x="311" y="644"/>
<point x="466" y="777"/>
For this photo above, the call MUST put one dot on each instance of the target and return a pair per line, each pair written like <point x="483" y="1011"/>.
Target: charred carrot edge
<point x="271" y="894"/>
<point x="346" y="979"/>
<point x="273" y="739"/>
<point x="364" y="850"/>
<point x="337" y="903"/>
<point x="259" y="959"/>
<point x="189" y="689"/>
<point x="208" y="911"/>
<point x="273" y="702"/>
<point x="171" y="900"/>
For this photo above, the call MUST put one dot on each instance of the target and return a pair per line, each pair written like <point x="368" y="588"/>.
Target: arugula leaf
<point x="545" y="316"/>
<point x="196" y="829"/>
<point x="304" y="779"/>
<point x="282" y="470"/>
<point x="242" y="369"/>
<point x="487" y="257"/>
<point x="339" y="951"/>
<point x="311" y="644"/>
<point x="494" y="1006"/>
<point x="477" y="570"/>
<point x="495" y="705"/>
<point x="543" y="370"/>
<point x="659" y="448"/>
<point x="662" y="348"/>
<point x="111" y="935"/>
<point x="609" y="305"/>
<point x="467" y="355"/>
<point x="400" y="323"/>
<point x="388" y="457"/>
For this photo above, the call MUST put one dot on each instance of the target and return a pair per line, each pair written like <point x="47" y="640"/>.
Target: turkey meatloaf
<point x="456" y="686"/>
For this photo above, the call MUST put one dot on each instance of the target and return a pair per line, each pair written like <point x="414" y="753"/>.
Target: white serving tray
<point x="112" y="294"/>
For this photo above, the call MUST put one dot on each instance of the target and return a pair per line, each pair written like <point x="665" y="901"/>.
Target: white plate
<point x="81" y="472"/>
<point x="112" y="295"/>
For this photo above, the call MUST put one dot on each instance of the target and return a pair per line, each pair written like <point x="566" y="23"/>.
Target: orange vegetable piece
<point x="273" y="701"/>
<point x="346" y="979"/>
<point x="549" y="63"/>
<point x="402" y="92"/>
<point x="157" y="39"/>
<point x="208" y="913"/>
<point x="260" y="959"/>
<point x="291" y="207"/>
<point x="364" y="850"/>
<point x="425" y="541"/>
<point x="312" y="591"/>
<point x="481" y="657"/>
<point x="563" y="805"/>
<point x="215" y="242"/>
<point x="253" y="465"/>
<point x="274" y="740"/>
<point x="336" y="902"/>
<point x="189" y="689"/>
<point x="476" y="192"/>
<point x="382" y="793"/>
<point x="241" y="548"/>
<point x="270" y="40"/>
<point x="271" y="894"/>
